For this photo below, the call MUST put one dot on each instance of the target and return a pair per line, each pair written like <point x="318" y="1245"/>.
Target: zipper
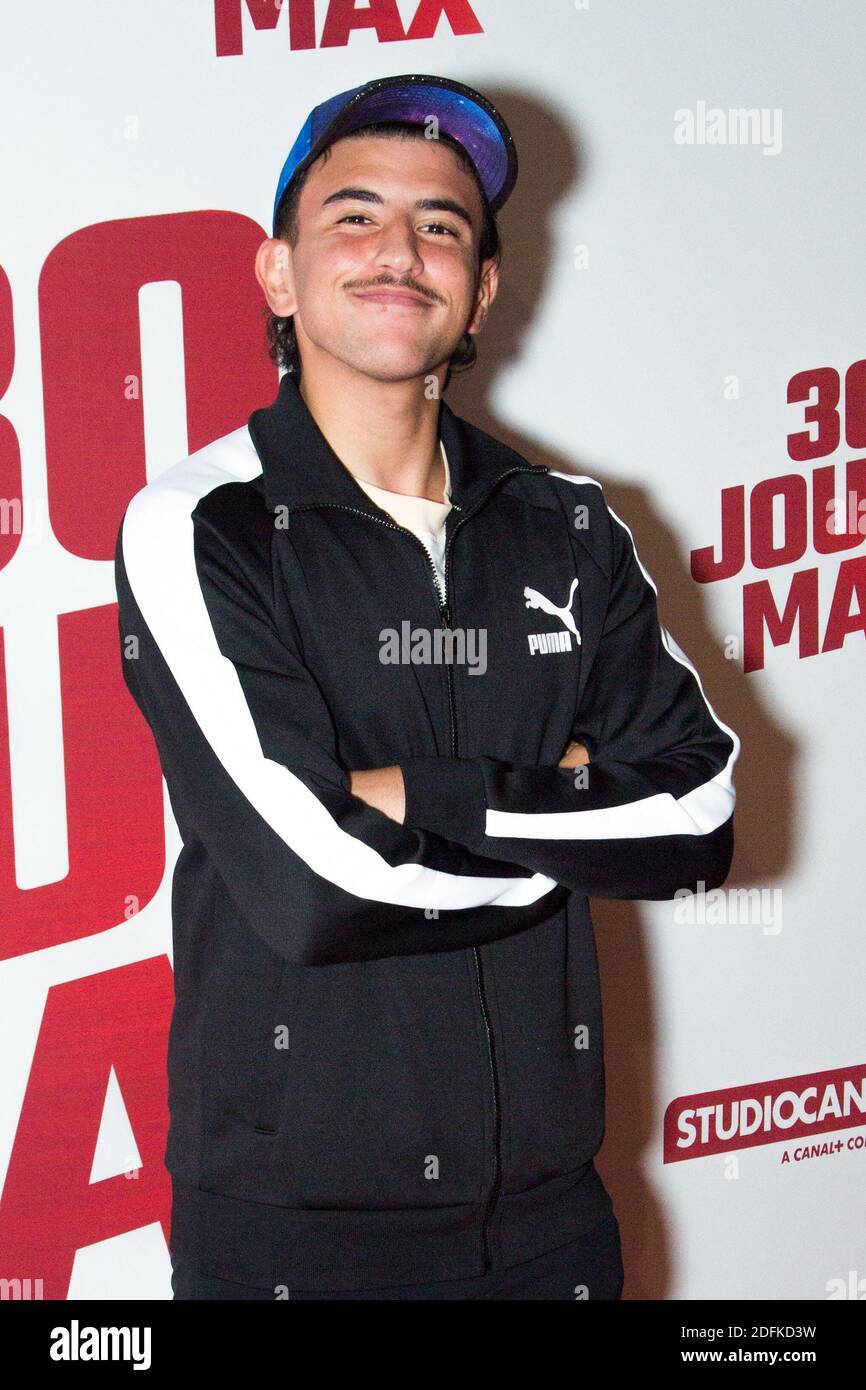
<point x="445" y="617"/>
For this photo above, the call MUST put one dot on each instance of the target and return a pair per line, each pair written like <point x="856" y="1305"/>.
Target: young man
<point x="413" y="704"/>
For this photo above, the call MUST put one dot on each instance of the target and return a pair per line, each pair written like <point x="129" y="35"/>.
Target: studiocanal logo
<point x="767" y="1112"/>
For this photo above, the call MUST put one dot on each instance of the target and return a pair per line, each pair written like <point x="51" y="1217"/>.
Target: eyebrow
<point x="366" y="195"/>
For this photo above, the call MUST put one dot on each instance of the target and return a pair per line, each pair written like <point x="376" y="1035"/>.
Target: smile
<point x="401" y="297"/>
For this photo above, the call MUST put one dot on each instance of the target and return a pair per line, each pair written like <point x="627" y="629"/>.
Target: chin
<point x="397" y="365"/>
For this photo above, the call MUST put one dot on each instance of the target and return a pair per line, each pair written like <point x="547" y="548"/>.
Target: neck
<point x="384" y="432"/>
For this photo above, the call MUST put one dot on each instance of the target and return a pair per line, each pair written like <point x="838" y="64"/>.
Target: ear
<point x="488" y="285"/>
<point x="274" y="268"/>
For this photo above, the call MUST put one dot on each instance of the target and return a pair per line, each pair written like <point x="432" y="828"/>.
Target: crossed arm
<point x="330" y="866"/>
<point x="382" y="787"/>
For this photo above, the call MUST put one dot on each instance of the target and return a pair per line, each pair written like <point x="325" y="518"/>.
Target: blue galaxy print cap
<point x="462" y="113"/>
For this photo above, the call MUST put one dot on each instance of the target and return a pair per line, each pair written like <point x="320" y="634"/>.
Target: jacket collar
<point x="301" y="469"/>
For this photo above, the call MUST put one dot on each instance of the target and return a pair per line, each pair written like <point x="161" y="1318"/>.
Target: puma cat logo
<point x="552" y="641"/>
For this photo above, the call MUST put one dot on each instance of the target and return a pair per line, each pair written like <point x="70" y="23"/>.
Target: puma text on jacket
<point x="385" y="1056"/>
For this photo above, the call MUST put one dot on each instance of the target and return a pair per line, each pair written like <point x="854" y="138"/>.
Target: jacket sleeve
<point x="248" y="750"/>
<point x="651" y="814"/>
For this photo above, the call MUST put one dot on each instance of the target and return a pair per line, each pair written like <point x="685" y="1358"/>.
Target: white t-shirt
<point x="420" y="515"/>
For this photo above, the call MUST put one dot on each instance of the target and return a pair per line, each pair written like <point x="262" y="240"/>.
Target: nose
<point x="398" y="249"/>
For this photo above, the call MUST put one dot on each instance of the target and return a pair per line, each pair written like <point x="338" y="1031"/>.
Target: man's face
<point x="362" y="238"/>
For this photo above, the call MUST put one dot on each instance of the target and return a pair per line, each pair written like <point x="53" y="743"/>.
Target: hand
<point x="382" y="788"/>
<point x="575" y="755"/>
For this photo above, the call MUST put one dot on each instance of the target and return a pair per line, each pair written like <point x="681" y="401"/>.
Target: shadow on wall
<point x="763" y="843"/>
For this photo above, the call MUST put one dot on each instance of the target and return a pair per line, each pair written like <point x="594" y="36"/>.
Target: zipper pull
<point x="445" y="613"/>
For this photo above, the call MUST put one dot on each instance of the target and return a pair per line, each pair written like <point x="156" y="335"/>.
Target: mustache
<point x="381" y="284"/>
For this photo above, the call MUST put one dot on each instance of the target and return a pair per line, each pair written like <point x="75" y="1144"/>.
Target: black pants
<point x="587" y="1268"/>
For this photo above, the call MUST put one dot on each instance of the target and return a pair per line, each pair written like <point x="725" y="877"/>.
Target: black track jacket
<point x="385" y="1056"/>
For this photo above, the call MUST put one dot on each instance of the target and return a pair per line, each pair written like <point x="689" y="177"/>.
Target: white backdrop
<point x="668" y="270"/>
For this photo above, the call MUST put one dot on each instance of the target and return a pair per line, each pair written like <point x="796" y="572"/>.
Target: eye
<point x="443" y="227"/>
<point x="359" y="217"/>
